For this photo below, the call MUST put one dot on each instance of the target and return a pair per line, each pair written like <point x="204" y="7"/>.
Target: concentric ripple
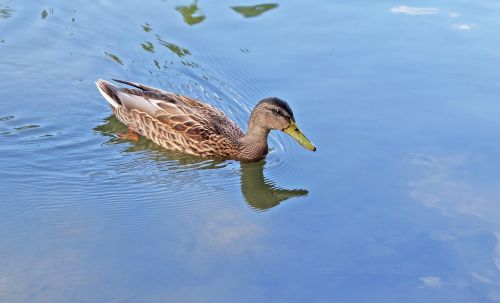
<point x="59" y="140"/>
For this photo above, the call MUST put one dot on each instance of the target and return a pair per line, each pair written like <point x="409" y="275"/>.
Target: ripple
<point x="7" y="118"/>
<point x="25" y="127"/>
<point x="213" y="89"/>
<point x="114" y="58"/>
<point x="80" y="169"/>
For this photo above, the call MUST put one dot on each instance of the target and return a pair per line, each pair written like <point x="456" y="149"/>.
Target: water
<point x="399" y="203"/>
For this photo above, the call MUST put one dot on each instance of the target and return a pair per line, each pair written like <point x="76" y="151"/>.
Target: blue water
<point x="399" y="204"/>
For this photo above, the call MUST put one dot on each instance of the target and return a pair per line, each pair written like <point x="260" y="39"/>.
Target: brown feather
<point x="177" y="122"/>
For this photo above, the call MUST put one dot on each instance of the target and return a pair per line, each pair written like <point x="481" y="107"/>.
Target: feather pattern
<point x="175" y="122"/>
<point x="182" y="124"/>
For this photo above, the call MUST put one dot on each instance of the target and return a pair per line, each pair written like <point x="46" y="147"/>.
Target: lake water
<point x="399" y="204"/>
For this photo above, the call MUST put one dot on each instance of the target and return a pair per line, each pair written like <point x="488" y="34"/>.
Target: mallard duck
<point x="190" y="126"/>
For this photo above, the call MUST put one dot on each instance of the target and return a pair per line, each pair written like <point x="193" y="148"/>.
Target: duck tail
<point x="108" y="91"/>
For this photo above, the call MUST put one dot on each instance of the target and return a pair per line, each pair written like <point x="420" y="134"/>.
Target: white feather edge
<point x="106" y="96"/>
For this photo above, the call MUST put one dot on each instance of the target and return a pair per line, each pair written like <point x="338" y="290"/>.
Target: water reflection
<point x="45" y="13"/>
<point x="148" y="46"/>
<point x="408" y="10"/>
<point x="114" y="58"/>
<point x="254" y="10"/>
<point x="146" y="27"/>
<point x="188" y="13"/>
<point x="259" y="192"/>
<point x="178" y="50"/>
<point x="5" y="12"/>
<point x="448" y="184"/>
<point x="24" y="127"/>
<point x="6" y="118"/>
<point x="462" y="26"/>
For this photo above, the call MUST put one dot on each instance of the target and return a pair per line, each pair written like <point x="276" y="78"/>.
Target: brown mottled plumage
<point x="182" y="124"/>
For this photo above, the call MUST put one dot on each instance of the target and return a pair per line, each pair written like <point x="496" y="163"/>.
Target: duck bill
<point x="295" y="133"/>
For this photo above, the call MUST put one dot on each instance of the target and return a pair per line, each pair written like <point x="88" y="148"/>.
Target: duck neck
<point x="255" y="141"/>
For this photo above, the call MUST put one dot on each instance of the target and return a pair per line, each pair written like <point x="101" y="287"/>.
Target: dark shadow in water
<point x="5" y="12"/>
<point x="254" y="10"/>
<point x="188" y="13"/>
<point x="259" y="192"/>
<point x="45" y="13"/>
<point x="146" y="27"/>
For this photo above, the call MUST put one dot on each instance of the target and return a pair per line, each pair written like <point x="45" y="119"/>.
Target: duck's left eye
<point x="277" y="112"/>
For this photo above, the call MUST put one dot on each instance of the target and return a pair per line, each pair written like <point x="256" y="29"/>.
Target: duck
<point x="183" y="124"/>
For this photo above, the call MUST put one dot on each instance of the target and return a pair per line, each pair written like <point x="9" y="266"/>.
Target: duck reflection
<point x="259" y="192"/>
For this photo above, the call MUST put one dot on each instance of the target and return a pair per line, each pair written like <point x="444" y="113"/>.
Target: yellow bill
<point x="295" y="133"/>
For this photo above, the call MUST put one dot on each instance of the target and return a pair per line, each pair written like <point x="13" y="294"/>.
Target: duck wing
<point x="197" y="120"/>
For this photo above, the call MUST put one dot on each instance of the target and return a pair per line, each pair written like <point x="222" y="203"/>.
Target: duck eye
<point x="277" y="112"/>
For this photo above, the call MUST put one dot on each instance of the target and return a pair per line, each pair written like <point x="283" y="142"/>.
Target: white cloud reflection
<point x="402" y="9"/>
<point x="452" y="196"/>
<point x="470" y="206"/>
<point x="497" y="251"/>
<point x="431" y="282"/>
<point x="462" y="26"/>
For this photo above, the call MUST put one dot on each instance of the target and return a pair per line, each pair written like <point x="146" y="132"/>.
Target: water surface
<point x="399" y="203"/>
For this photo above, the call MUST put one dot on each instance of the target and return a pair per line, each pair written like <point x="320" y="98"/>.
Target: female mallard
<point x="182" y="124"/>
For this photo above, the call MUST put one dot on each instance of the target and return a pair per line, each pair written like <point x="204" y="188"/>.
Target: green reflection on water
<point x="188" y="12"/>
<point x="148" y="46"/>
<point x="146" y="27"/>
<point x="179" y="51"/>
<point x="254" y="10"/>
<point x="259" y="192"/>
<point x="114" y="58"/>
